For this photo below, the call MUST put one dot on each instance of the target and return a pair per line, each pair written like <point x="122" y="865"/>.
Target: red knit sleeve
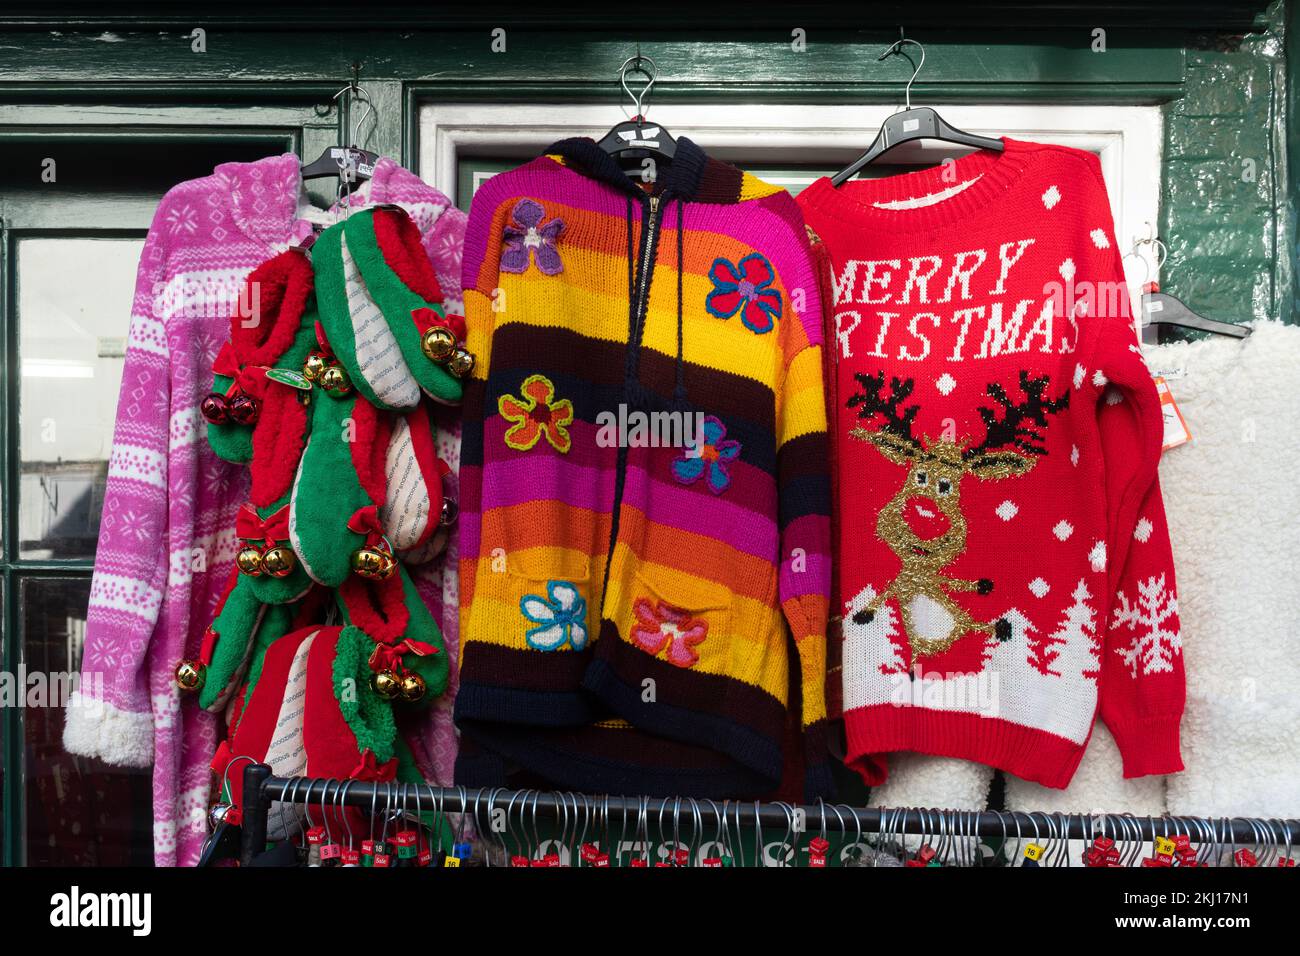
<point x="1142" y="682"/>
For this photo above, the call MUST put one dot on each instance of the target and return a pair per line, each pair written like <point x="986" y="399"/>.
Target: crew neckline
<point x="890" y="201"/>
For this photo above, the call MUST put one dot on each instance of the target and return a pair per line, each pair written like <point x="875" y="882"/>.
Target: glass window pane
<point x="79" y="812"/>
<point x="74" y="307"/>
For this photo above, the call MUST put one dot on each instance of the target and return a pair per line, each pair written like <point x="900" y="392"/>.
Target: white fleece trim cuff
<point x="95" y="728"/>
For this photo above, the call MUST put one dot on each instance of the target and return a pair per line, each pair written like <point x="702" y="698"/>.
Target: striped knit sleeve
<point x="481" y="258"/>
<point x="803" y="477"/>
<point x="110" y="715"/>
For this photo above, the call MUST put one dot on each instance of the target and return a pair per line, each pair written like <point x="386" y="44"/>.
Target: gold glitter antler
<point x="1021" y="424"/>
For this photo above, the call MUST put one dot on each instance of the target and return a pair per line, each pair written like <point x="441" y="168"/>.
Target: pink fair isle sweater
<point x="167" y="537"/>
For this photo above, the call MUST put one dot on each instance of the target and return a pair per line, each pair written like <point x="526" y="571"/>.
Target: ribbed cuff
<point x="1148" y="745"/>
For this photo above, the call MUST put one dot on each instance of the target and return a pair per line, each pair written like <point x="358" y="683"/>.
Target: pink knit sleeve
<point x="109" y="716"/>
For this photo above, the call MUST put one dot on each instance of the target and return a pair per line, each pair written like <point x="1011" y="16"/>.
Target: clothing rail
<point x="867" y="821"/>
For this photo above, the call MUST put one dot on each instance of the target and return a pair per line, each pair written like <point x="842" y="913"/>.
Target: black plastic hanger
<point x="351" y="159"/>
<point x="1162" y="310"/>
<point x="913" y="123"/>
<point x="635" y="139"/>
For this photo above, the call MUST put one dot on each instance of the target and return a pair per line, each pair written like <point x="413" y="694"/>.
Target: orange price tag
<point x="1176" y="431"/>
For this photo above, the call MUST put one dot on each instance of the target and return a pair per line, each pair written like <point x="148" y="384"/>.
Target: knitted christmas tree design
<point x="1074" y="648"/>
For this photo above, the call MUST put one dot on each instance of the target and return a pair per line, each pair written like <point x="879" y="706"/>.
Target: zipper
<point x="644" y="274"/>
<point x="636" y="328"/>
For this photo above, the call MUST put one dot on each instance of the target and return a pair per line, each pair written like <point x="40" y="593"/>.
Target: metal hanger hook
<point x="633" y="64"/>
<point x="355" y="91"/>
<point x="896" y="49"/>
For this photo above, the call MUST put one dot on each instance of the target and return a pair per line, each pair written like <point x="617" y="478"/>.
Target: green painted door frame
<point x="238" y="74"/>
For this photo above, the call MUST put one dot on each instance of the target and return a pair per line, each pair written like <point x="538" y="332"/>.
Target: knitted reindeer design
<point x="923" y="523"/>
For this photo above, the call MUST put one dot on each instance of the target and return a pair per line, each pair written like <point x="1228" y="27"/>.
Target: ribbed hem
<point x="529" y="707"/>
<point x="1028" y="753"/>
<point x="742" y="744"/>
<point x="1148" y="746"/>
<point x="565" y="761"/>
<point x="863" y="201"/>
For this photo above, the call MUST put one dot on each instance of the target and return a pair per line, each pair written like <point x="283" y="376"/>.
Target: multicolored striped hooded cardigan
<point x="627" y="607"/>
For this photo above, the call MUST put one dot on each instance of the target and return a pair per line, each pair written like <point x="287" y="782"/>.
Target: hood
<point x="692" y="176"/>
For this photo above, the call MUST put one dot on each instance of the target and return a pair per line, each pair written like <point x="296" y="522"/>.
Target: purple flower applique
<point x="528" y="236"/>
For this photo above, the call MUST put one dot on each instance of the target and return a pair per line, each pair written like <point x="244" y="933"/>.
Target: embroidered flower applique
<point x="537" y="414"/>
<point x="530" y="239"/>
<point x="745" y="287"/>
<point x="710" y="460"/>
<point x="560" y="617"/>
<point x="661" y="627"/>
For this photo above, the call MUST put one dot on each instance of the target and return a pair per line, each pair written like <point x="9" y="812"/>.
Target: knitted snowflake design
<point x="1153" y="622"/>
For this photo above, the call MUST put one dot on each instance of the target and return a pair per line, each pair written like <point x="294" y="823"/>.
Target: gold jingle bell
<point x="335" y="381"/>
<point x="373" y="563"/>
<point x="278" y="562"/>
<point x="190" y="675"/>
<point x="413" y="687"/>
<point x="461" y="363"/>
<point x="249" y="561"/>
<point x="314" y="367"/>
<point x="438" y="343"/>
<point x="386" y="684"/>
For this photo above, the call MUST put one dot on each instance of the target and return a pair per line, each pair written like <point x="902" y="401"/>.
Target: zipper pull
<point x="654" y="205"/>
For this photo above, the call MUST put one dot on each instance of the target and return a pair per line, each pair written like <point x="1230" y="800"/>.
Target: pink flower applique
<point x="661" y="627"/>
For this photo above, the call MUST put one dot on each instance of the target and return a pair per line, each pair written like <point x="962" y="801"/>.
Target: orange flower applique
<point x="537" y="414"/>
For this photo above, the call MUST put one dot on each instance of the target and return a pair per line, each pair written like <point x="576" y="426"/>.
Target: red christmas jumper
<point x="1004" y="560"/>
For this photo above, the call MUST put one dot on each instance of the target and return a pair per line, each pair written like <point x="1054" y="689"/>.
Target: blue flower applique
<point x="709" y="460"/>
<point x="560" y="617"/>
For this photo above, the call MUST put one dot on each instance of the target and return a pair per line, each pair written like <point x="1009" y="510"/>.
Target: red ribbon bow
<point x="426" y="318"/>
<point x="366" y="521"/>
<point x="249" y="525"/>
<point x="389" y="656"/>
<point x="249" y="379"/>
<point x="370" y="769"/>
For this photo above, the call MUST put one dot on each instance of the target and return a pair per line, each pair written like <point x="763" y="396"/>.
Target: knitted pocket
<point x="678" y="618"/>
<point x="540" y="601"/>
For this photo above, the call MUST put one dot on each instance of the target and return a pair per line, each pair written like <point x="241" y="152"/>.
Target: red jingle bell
<point x="243" y="409"/>
<point x="214" y="409"/>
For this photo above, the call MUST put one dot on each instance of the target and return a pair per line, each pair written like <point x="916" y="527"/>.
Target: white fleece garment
<point x="1231" y="507"/>
<point x="1233" y="499"/>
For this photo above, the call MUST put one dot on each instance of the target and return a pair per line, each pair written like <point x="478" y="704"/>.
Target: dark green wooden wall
<point x="1226" y="194"/>
<point x="1226" y="213"/>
